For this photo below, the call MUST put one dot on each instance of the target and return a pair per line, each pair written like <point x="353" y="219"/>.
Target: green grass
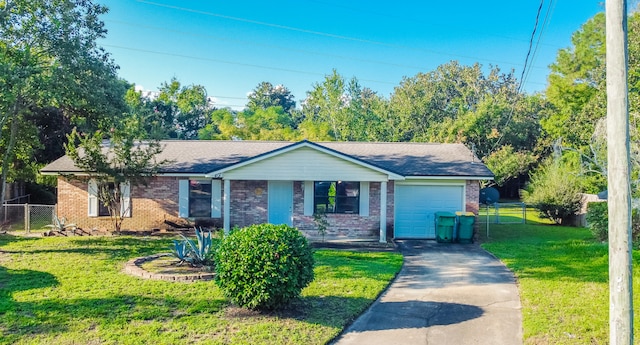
<point x="72" y="291"/>
<point x="563" y="281"/>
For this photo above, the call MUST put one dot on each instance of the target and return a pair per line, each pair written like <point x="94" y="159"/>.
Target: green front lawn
<point x="563" y="281"/>
<point x="73" y="291"/>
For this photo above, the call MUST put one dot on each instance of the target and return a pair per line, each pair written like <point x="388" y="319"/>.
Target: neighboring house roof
<point x="406" y="159"/>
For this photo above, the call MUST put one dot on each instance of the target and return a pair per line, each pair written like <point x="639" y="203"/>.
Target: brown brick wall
<point x="473" y="196"/>
<point x="150" y="205"/>
<point x="249" y="201"/>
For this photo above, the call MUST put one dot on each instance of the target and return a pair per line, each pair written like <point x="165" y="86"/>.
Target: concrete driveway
<point x="444" y="294"/>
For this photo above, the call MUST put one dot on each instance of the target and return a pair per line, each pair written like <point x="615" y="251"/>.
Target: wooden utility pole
<point x="620" y="246"/>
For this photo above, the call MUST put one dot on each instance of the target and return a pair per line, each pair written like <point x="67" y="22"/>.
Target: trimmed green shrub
<point x="264" y="266"/>
<point x="598" y="221"/>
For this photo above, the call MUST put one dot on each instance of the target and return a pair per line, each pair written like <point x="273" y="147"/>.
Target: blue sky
<point x="231" y="46"/>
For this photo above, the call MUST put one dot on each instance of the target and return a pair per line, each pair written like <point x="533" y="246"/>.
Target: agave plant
<point x="195" y="254"/>
<point x="60" y="224"/>
<point x="180" y="250"/>
<point x="200" y="253"/>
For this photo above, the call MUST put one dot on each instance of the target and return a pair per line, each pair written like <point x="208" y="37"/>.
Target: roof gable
<point x="305" y="161"/>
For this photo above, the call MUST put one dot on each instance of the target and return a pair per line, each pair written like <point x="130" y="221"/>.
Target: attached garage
<point x="416" y="204"/>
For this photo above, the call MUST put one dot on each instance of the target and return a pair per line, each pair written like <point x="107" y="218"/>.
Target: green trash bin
<point x="445" y="221"/>
<point x="465" y="226"/>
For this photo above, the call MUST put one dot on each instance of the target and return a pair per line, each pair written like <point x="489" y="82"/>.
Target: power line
<point x="317" y="33"/>
<point x="547" y="18"/>
<point x="254" y="43"/>
<point x="405" y="18"/>
<point x="235" y="63"/>
<point x="513" y="105"/>
<point x="533" y="34"/>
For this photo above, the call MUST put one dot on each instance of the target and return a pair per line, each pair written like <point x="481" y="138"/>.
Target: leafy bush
<point x="598" y="221"/>
<point x="554" y="190"/>
<point x="195" y="254"/>
<point x="264" y="266"/>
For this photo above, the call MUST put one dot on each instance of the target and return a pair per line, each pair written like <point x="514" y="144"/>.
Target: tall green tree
<point x="577" y="94"/>
<point x="463" y="104"/>
<point x="181" y="111"/>
<point x="49" y="57"/>
<point x="449" y="92"/>
<point x="342" y="110"/>
<point x="115" y="161"/>
<point x="271" y="123"/>
<point x="577" y="86"/>
<point x="221" y="126"/>
<point x="266" y="95"/>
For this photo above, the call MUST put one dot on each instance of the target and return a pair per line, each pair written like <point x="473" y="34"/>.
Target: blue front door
<point x="280" y="202"/>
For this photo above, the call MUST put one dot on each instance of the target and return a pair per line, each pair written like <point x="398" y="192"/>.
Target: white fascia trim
<point x="218" y="173"/>
<point x="479" y="178"/>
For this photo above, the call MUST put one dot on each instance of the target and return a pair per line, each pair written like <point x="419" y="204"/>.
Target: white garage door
<point x="417" y="204"/>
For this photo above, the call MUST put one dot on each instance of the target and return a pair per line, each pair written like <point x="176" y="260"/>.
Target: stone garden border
<point x="133" y="268"/>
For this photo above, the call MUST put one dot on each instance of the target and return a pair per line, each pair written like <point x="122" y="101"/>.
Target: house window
<point x="336" y="197"/>
<point x="199" y="198"/>
<point x="102" y="208"/>
<point x="97" y="208"/>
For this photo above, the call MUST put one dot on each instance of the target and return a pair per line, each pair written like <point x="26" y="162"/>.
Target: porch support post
<point x="226" y="200"/>
<point x="383" y="212"/>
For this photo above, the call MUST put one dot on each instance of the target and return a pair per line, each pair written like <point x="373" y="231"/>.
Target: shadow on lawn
<point x="6" y="239"/>
<point x="12" y="312"/>
<point x="53" y="316"/>
<point x="50" y="317"/>
<point x="113" y="248"/>
<point x="20" y="280"/>
<point x="330" y="311"/>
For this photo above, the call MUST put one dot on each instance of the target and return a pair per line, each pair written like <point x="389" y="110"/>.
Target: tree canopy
<point x="49" y="60"/>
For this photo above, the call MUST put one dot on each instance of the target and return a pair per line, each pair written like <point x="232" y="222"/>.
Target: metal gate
<point x="26" y="217"/>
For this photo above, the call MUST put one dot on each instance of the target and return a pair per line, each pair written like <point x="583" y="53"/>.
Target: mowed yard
<point x="73" y="291"/>
<point x="562" y="276"/>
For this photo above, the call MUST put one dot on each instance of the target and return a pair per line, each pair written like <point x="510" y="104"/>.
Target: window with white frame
<point x="200" y="198"/>
<point x="336" y="197"/>
<point x="97" y="208"/>
<point x="103" y="210"/>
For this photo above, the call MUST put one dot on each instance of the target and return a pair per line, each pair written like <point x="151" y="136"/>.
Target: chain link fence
<point x="26" y="217"/>
<point x="503" y="213"/>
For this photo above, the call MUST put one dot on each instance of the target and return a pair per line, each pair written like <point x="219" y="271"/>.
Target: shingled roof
<point x="406" y="159"/>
